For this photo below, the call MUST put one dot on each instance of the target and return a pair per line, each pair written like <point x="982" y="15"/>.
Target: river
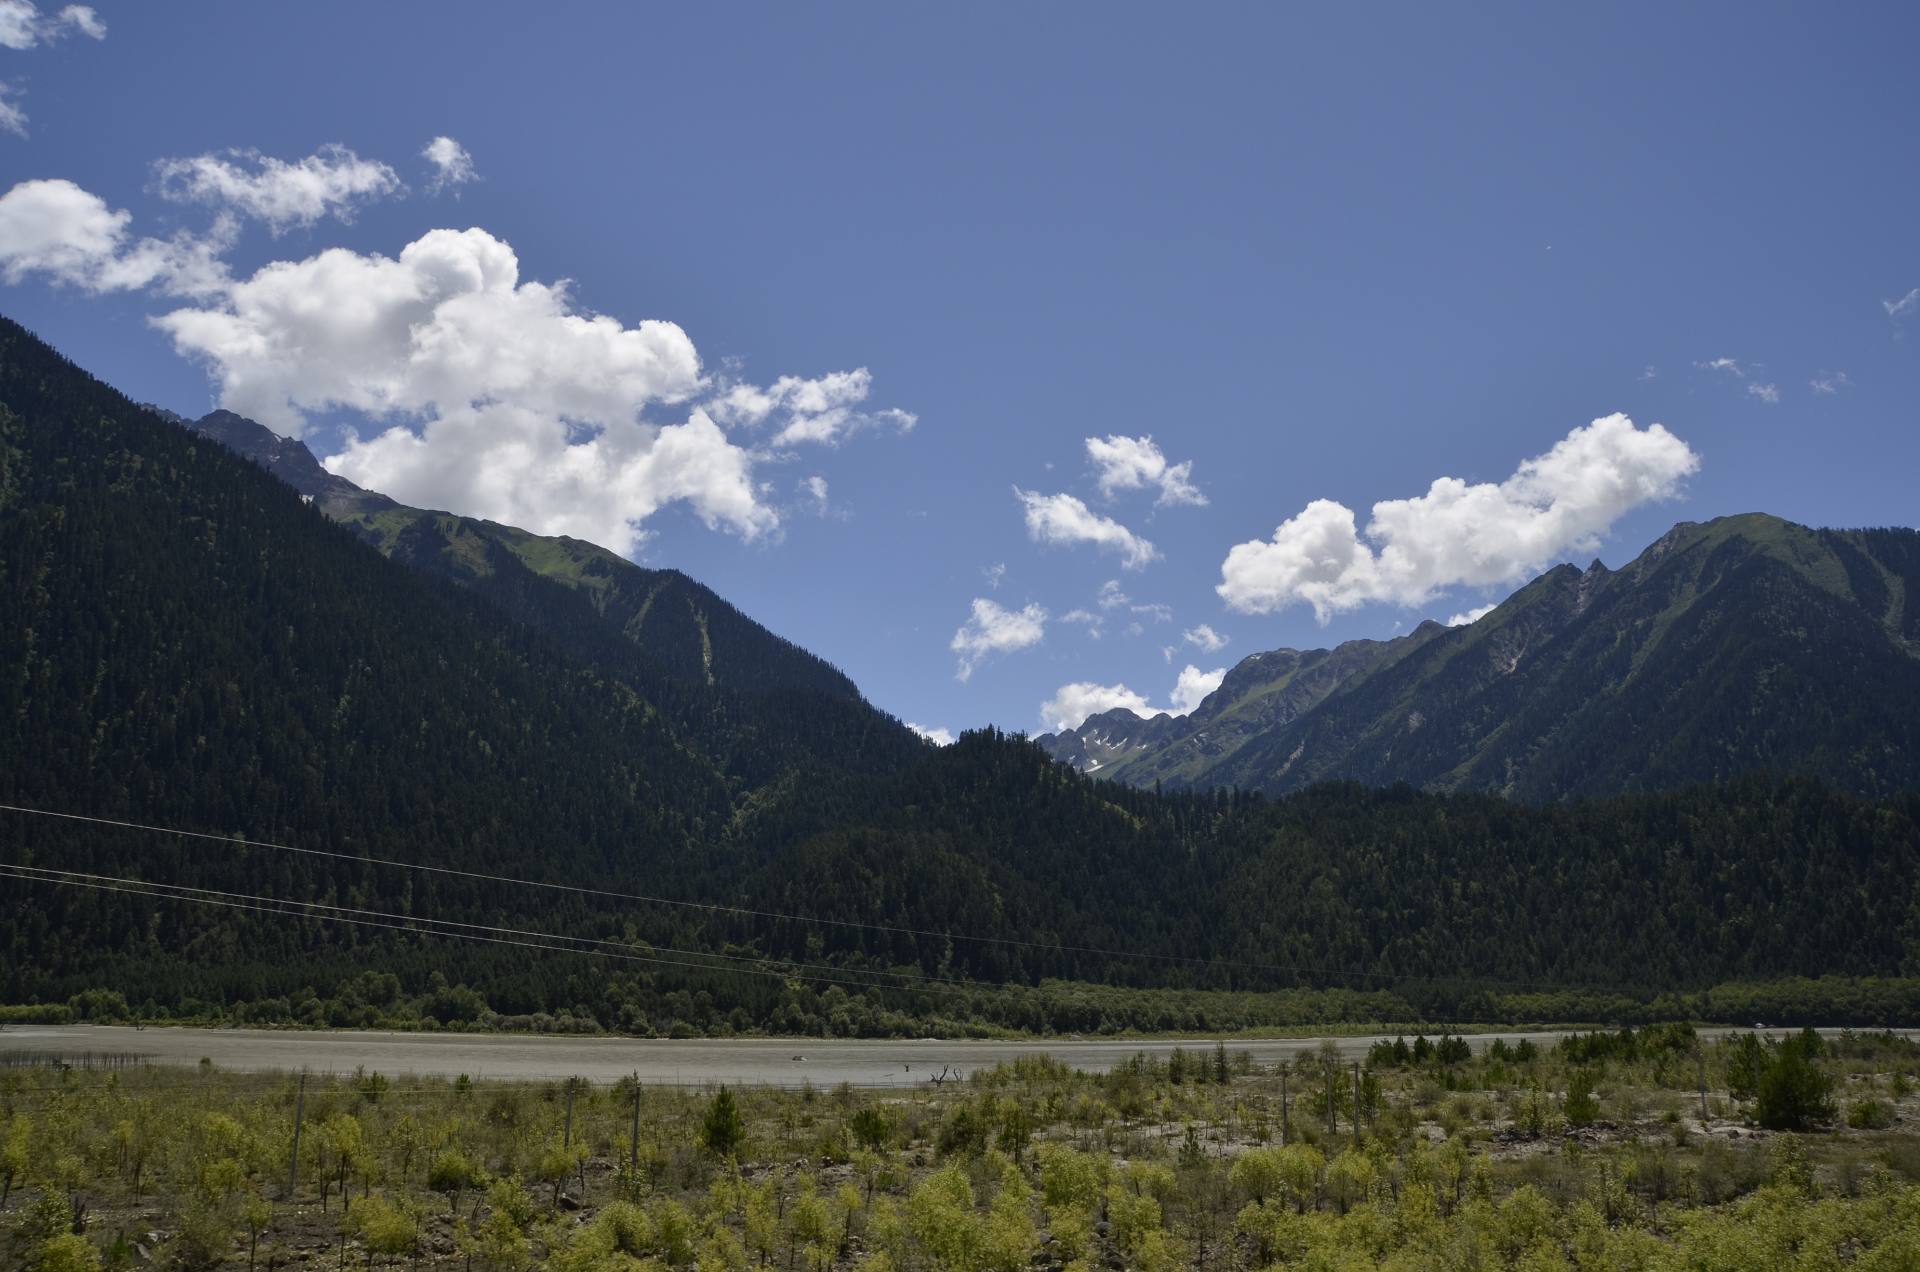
<point x="511" y="1057"/>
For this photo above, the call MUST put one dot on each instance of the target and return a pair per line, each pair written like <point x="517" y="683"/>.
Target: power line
<point x="405" y="923"/>
<point x="1294" y="970"/>
<point x="908" y="980"/>
<point x="764" y="966"/>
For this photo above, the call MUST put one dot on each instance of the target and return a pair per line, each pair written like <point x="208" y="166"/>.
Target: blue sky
<point x="1322" y="257"/>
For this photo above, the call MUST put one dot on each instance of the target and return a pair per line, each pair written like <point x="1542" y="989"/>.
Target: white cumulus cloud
<point x="1072" y="704"/>
<point x="511" y="404"/>
<point x="1205" y="637"/>
<point x="1131" y="463"/>
<point x="1459" y="533"/>
<point x="995" y="629"/>
<point x="448" y="323"/>
<point x="1193" y="687"/>
<point x="452" y="165"/>
<point x="496" y="396"/>
<point x="1064" y="519"/>
<point x="333" y="181"/>
<point x="939" y="737"/>
<point x="70" y="236"/>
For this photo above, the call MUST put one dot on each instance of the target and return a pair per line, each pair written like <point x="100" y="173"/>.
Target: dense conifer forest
<point x="190" y="644"/>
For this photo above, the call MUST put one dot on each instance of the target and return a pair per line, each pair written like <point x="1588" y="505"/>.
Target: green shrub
<point x="722" y="1131"/>
<point x="1869" y="1115"/>
<point x="1794" y="1091"/>
<point x="1582" y="1108"/>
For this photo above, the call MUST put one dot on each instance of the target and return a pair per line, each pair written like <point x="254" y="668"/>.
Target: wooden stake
<point x="293" y="1158"/>
<point x="1356" y="1104"/>
<point x="633" y="1154"/>
<point x="1286" y="1120"/>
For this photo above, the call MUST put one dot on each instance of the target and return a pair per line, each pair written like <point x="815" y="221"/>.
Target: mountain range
<point x="1739" y="645"/>
<point x="241" y="644"/>
<point x="1743" y="644"/>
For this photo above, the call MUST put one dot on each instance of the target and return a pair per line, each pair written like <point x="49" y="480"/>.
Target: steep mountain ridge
<point x="1746" y="643"/>
<point x="682" y="625"/>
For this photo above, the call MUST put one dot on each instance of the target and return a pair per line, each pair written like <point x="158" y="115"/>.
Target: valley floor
<point x="1657" y="1149"/>
<point x="787" y="1062"/>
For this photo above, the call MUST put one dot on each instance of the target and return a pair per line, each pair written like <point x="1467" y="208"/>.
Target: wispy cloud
<point x="993" y="629"/>
<point x="1065" y="519"/>
<point x="333" y="181"/>
<point x="22" y="26"/>
<point x="452" y="165"/>
<point x="13" y="116"/>
<point x="1130" y="463"/>
<point x="1828" y="383"/>
<point x="814" y="490"/>
<point x="1205" y="637"/>
<point x="1900" y="308"/>
<point x="821" y="409"/>
<point x="1094" y="623"/>
<point x="1762" y="390"/>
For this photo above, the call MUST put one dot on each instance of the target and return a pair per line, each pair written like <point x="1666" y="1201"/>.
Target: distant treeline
<point x="376" y="1000"/>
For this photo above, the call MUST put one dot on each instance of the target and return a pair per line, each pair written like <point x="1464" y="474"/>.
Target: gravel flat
<point x="508" y="1057"/>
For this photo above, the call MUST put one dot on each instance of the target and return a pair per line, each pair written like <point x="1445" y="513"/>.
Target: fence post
<point x="293" y="1158"/>
<point x="1286" y="1118"/>
<point x="633" y="1150"/>
<point x="1356" y="1104"/>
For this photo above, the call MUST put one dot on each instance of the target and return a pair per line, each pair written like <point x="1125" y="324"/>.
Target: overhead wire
<point x="406" y="923"/>
<point x="1286" y="969"/>
<point x="647" y="948"/>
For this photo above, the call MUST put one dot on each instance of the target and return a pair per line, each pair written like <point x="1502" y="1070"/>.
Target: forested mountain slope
<point x="189" y="643"/>
<point x="683" y="626"/>
<point x="1745" y="644"/>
